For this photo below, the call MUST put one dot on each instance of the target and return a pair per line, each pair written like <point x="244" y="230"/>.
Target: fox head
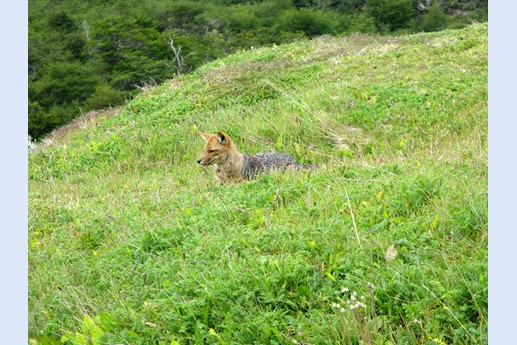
<point x="218" y="148"/>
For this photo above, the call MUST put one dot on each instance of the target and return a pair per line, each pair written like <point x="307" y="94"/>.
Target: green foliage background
<point x="91" y="54"/>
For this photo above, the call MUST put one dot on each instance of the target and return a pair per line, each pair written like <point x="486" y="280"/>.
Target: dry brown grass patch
<point x="60" y="134"/>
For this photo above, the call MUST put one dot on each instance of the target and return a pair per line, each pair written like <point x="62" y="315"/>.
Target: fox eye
<point x="211" y="151"/>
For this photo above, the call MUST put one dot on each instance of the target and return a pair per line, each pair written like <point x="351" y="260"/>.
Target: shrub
<point x="391" y="14"/>
<point x="434" y="20"/>
<point x="311" y="23"/>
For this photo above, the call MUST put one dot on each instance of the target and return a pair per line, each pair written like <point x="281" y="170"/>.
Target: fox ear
<point x="223" y="139"/>
<point x="204" y="135"/>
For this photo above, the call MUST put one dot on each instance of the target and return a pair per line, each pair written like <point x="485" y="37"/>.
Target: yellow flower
<point x="437" y="340"/>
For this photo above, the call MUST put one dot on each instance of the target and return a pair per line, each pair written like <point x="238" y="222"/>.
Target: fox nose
<point x="199" y="161"/>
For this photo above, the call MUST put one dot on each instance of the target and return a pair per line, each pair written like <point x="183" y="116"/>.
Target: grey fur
<point x="269" y="161"/>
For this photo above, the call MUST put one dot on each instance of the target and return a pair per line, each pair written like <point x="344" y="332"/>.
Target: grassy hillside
<point x="130" y="242"/>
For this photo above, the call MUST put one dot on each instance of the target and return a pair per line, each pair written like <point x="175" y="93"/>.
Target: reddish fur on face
<point x="221" y="152"/>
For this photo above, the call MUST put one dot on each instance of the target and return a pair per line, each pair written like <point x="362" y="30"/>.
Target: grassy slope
<point x="124" y="227"/>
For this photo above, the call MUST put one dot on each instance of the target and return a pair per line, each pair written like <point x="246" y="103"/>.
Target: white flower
<point x="32" y="145"/>
<point x="344" y="289"/>
<point x="342" y="310"/>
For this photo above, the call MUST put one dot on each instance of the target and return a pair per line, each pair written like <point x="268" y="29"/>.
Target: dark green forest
<point x="93" y="54"/>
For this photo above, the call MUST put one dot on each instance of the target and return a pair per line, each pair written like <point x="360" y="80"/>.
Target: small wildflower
<point x="353" y="298"/>
<point x="32" y="145"/>
<point x="437" y="340"/>
<point x="212" y="331"/>
<point x="344" y="289"/>
<point x="342" y="310"/>
<point x="370" y="286"/>
<point x="335" y="305"/>
<point x="362" y="298"/>
<point x="354" y="293"/>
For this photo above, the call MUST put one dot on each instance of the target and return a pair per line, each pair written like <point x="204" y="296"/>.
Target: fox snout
<point x="204" y="160"/>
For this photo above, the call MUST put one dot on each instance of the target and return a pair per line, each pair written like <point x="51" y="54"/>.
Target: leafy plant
<point x="92" y="330"/>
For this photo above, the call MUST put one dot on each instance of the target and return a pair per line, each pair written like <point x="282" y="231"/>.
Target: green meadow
<point x="386" y="242"/>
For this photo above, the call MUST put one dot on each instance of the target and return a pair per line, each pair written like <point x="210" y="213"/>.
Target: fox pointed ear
<point x="222" y="138"/>
<point x="204" y="135"/>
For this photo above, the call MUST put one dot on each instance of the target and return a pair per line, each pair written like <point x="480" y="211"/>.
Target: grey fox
<point x="232" y="165"/>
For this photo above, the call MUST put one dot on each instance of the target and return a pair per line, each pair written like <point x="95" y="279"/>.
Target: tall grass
<point x="132" y="243"/>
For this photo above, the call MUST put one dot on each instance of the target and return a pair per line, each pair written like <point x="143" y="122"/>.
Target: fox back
<point x="268" y="161"/>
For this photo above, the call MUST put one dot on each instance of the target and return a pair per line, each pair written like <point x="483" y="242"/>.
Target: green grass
<point x="130" y="242"/>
